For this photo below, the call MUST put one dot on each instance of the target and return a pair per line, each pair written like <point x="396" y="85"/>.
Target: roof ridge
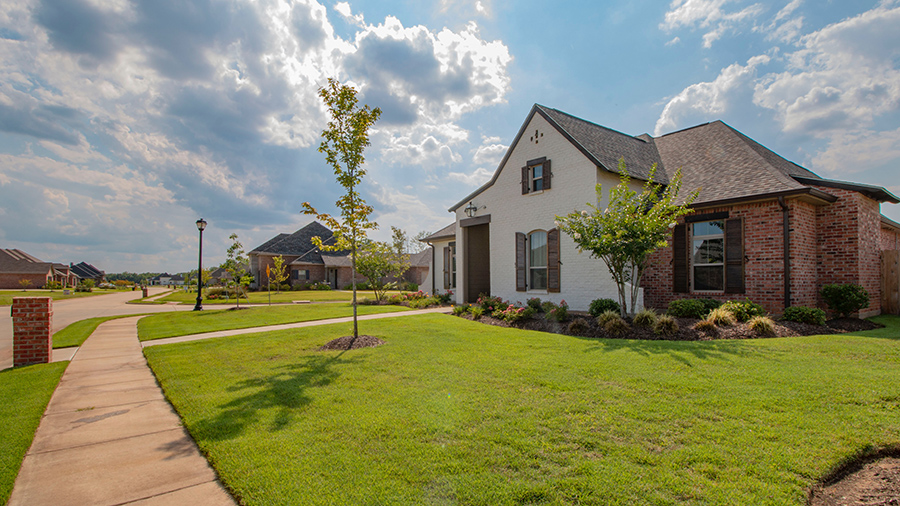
<point x="613" y="130"/>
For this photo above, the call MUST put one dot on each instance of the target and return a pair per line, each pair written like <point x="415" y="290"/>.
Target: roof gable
<point x="16" y="261"/>
<point x="299" y="244"/>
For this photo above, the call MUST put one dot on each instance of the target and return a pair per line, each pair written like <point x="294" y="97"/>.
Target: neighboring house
<point x="762" y="228"/>
<point x="87" y="271"/>
<point x="162" y="279"/>
<point x="64" y="275"/>
<point x="177" y="280"/>
<point x="16" y="265"/>
<point x="441" y="275"/>
<point x="307" y="264"/>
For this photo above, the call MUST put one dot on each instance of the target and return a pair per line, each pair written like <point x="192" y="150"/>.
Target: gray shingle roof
<point x="298" y="244"/>
<point x="444" y="233"/>
<point x="15" y="261"/>
<point x="606" y="146"/>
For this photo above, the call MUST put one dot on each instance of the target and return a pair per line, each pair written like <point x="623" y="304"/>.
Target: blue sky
<point x="122" y="122"/>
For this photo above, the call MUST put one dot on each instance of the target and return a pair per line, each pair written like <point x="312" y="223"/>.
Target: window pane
<point x="537" y="178"/>
<point x="709" y="278"/>
<point x="538" y="249"/>
<point x="539" y="278"/>
<point x="537" y="171"/>
<point x="709" y="228"/>
<point x="709" y="251"/>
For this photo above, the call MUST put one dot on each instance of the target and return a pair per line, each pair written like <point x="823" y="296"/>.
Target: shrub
<point x="318" y="285"/>
<point x="617" y="326"/>
<point x="803" y="314"/>
<point x="665" y="326"/>
<point x="687" y="308"/>
<point x="513" y="313"/>
<point x="360" y="285"/>
<point x="476" y="312"/>
<point x="606" y="316"/>
<point x="744" y="310"/>
<point x="52" y="285"/>
<point x="600" y="306"/>
<point x="762" y="325"/>
<point x="443" y="298"/>
<point x="214" y="292"/>
<point x="535" y="303"/>
<point x="710" y="304"/>
<point x="409" y="286"/>
<point x="298" y="287"/>
<point x="423" y="303"/>
<point x="560" y="313"/>
<point x="459" y="310"/>
<point x="84" y="287"/>
<point x="578" y="327"/>
<point x="365" y="301"/>
<point x="548" y="306"/>
<point x="846" y="298"/>
<point x="721" y="317"/>
<point x="705" y="326"/>
<point x="645" y="317"/>
<point x="489" y="303"/>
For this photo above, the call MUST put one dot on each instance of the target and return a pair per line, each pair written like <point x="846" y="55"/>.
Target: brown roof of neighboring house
<point x="16" y="261"/>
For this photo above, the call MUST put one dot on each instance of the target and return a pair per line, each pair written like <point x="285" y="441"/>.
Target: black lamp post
<point x="201" y="224"/>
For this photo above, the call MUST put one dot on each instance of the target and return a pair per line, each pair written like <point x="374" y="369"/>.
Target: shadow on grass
<point x="680" y="351"/>
<point x="286" y="390"/>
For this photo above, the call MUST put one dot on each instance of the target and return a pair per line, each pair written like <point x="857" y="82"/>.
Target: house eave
<point x="810" y="195"/>
<point x="876" y="192"/>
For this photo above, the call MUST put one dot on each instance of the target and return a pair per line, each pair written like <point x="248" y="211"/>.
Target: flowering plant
<point x="512" y="313"/>
<point x="559" y="313"/>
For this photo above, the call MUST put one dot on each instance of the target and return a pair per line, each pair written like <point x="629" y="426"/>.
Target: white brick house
<point x="509" y="246"/>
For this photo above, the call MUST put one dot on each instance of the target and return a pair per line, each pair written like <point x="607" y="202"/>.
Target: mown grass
<point x="24" y="394"/>
<point x="277" y="298"/>
<point x="75" y="333"/>
<point x="6" y="296"/>
<point x="180" y="323"/>
<point x="455" y="412"/>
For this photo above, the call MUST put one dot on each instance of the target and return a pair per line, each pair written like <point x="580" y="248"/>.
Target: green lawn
<point x="182" y="323"/>
<point x="24" y="394"/>
<point x="283" y="297"/>
<point x="6" y="296"/>
<point x="455" y="412"/>
<point x="75" y="333"/>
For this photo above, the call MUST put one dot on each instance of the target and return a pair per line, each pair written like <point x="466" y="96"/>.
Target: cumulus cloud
<point x="212" y="105"/>
<point x="711" y="16"/>
<point x="835" y="86"/>
<point x="476" y="178"/>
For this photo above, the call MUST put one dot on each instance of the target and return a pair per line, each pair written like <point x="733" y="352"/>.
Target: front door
<point x="332" y="278"/>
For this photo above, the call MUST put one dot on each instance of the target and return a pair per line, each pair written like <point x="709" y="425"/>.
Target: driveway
<point x="69" y="311"/>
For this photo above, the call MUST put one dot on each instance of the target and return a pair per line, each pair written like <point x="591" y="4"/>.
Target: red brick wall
<point x="32" y="320"/>
<point x="890" y="239"/>
<point x="804" y="254"/>
<point x="850" y="244"/>
<point x="11" y="281"/>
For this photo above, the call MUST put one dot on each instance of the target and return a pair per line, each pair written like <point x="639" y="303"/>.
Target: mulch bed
<point x="686" y="331"/>
<point x="349" y="343"/>
<point x="872" y="483"/>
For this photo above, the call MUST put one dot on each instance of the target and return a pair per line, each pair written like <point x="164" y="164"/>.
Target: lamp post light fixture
<point x="201" y="224"/>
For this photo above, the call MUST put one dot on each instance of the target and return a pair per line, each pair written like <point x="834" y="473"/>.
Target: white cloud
<point x="490" y="152"/>
<point x="834" y="87"/>
<point x="476" y="178"/>
<point x="708" y="15"/>
<point x="708" y="100"/>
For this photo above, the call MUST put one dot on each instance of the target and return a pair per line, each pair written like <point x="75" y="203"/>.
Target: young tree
<point x="399" y="240"/>
<point x="343" y="143"/>
<point x="24" y="283"/>
<point x="235" y="267"/>
<point x="278" y="272"/>
<point x="379" y="260"/>
<point x="633" y="226"/>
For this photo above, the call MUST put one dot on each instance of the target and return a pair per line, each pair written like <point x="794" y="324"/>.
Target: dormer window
<point x="536" y="176"/>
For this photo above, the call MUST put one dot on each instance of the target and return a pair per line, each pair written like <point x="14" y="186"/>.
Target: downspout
<point x="785" y="222"/>
<point x="432" y="269"/>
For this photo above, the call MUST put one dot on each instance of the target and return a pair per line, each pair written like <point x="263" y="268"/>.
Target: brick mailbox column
<point x="32" y="342"/>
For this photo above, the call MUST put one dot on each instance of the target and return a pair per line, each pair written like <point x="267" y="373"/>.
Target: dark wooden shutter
<point x="680" y="259"/>
<point x="734" y="256"/>
<point x="548" y="177"/>
<point x="553" y="261"/>
<point x="521" y="267"/>
<point x="446" y="267"/>
<point x="524" y="180"/>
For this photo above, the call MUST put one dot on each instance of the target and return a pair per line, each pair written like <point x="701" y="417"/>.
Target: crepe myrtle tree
<point x="378" y="261"/>
<point x="278" y="272"/>
<point x="343" y="143"/>
<point x="630" y="229"/>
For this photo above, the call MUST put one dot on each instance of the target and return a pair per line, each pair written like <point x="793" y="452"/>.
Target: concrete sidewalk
<point x="110" y="437"/>
<point x="297" y="325"/>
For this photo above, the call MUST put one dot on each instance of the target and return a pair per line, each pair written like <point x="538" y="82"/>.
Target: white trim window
<point x="708" y="256"/>
<point x="537" y="260"/>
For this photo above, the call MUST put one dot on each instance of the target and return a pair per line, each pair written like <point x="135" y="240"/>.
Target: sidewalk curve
<point x="110" y="437"/>
<point x="269" y="328"/>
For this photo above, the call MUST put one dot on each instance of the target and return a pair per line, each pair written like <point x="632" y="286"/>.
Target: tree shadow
<point x="680" y="351"/>
<point x="286" y="388"/>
